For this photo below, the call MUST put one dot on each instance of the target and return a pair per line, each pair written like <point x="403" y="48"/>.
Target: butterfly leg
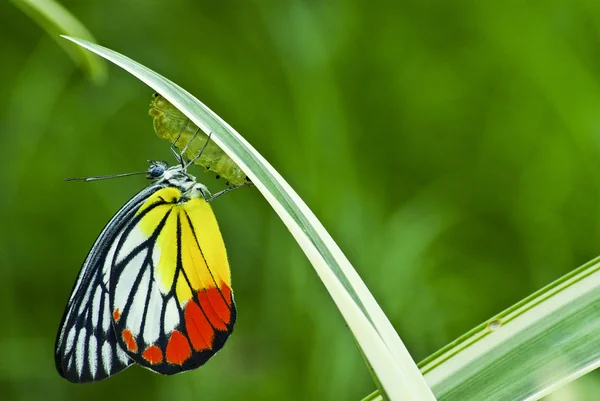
<point x="177" y="155"/>
<point x="223" y="192"/>
<point x="201" y="151"/>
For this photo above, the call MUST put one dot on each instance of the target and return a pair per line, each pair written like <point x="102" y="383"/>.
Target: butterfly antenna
<point x="103" y="177"/>
<point x="201" y="151"/>
<point x="177" y="155"/>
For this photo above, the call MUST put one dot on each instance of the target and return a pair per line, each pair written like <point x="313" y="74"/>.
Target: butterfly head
<point x="160" y="171"/>
<point x="176" y="176"/>
<point x="156" y="169"/>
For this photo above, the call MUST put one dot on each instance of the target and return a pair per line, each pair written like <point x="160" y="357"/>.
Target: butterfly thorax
<point x="177" y="177"/>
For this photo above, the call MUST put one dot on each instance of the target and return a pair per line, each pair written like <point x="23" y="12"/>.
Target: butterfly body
<point x="155" y="288"/>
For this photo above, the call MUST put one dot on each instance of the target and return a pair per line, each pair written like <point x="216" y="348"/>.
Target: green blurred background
<point x="451" y="149"/>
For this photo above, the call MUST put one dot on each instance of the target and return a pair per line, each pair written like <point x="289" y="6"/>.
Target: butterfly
<point x="155" y="289"/>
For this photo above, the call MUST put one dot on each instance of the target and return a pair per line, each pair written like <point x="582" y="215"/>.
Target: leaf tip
<point x="70" y="38"/>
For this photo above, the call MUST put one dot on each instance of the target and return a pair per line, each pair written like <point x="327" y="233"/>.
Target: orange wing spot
<point x="116" y="315"/>
<point x="178" y="349"/>
<point x="153" y="354"/>
<point x="199" y="330"/>
<point x="215" y="308"/>
<point x="226" y="291"/>
<point x="210" y="306"/>
<point x="129" y="340"/>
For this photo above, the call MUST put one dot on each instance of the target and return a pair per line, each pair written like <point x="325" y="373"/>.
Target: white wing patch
<point x="129" y="277"/>
<point x="138" y="306"/>
<point x="107" y="355"/>
<point x="134" y="239"/>
<point x="80" y="351"/>
<point x="171" y="316"/>
<point x="152" y="332"/>
<point x="92" y="355"/>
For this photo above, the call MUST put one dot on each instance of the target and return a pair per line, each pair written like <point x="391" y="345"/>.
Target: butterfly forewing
<point x="170" y="289"/>
<point x="86" y="345"/>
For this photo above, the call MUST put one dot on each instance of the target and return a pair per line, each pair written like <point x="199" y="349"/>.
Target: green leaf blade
<point x="528" y="351"/>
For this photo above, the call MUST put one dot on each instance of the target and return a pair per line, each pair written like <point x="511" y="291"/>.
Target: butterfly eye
<point x="156" y="171"/>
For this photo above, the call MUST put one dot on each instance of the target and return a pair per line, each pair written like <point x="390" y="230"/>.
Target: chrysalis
<point x="168" y="122"/>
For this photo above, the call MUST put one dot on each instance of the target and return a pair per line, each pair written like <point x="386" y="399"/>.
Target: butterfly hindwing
<point x="170" y="289"/>
<point x="86" y="345"/>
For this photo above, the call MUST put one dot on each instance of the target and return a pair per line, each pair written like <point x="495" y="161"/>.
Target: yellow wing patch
<point x="190" y="229"/>
<point x="208" y="235"/>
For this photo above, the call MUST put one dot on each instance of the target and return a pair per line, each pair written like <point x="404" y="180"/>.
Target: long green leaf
<point x="57" y="20"/>
<point x="540" y="344"/>
<point x="383" y="349"/>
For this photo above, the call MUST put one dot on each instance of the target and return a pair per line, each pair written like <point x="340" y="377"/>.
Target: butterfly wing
<point x="177" y="310"/>
<point x="86" y="346"/>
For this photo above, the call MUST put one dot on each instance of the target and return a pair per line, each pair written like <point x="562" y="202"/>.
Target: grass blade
<point x="57" y="20"/>
<point x="528" y="351"/>
<point x="380" y="344"/>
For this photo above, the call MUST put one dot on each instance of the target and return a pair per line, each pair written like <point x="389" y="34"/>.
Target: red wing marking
<point x="116" y="315"/>
<point x="129" y="340"/>
<point x="226" y="291"/>
<point x="178" y="349"/>
<point x="153" y="354"/>
<point x="198" y="329"/>
<point x="215" y="307"/>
